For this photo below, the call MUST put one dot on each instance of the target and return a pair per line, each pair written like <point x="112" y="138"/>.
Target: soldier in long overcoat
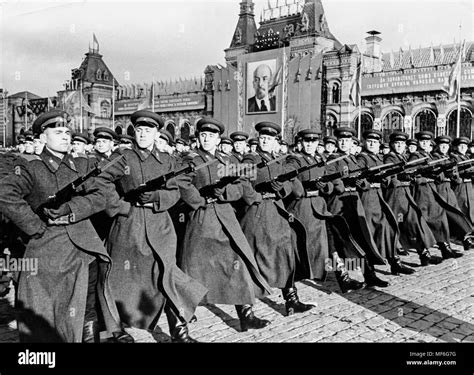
<point x="142" y="241"/>
<point x="275" y="236"/>
<point x="345" y="201"/>
<point x="381" y="219"/>
<point x="54" y="302"/>
<point x="414" y="230"/>
<point x="215" y="250"/>
<point x="434" y="207"/>
<point x="309" y="206"/>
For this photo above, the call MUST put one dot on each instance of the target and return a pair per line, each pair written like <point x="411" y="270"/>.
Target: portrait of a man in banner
<point x="263" y="78"/>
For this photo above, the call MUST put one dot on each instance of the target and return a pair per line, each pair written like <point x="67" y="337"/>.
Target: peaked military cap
<point x="356" y="140"/>
<point x="268" y="128"/>
<point x="166" y="135"/>
<point x="384" y="145"/>
<point x="126" y="139"/>
<point x="209" y="124"/>
<point x="424" y="135"/>
<point x="412" y="142"/>
<point x="309" y="134"/>
<point x="398" y="135"/>
<point x="52" y="119"/>
<point x="372" y="134"/>
<point x="81" y="137"/>
<point x="460" y="140"/>
<point x="330" y="139"/>
<point x="283" y="142"/>
<point x="226" y="140"/>
<point x="239" y="136"/>
<point x="105" y="133"/>
<point x="147" y="118"/>
<point x="443" y="139"/>
<point x="181" y="141"/>
<point x="253" y="141"/>
<point x="29" y="136"/>
<point x="344" y="132"/>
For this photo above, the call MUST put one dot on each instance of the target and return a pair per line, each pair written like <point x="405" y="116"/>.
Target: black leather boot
<point x="447" y="252"/>
<point x="468" y="242"/>
<point x="402" y="251"/>
<point x="90" y="332"/>
<point x="122" y="337"/>
<point x="248" y="320"/>
<point x="346" y="284"/>
<point x="178" y="328"/>
<point x="371" y="278"/>
<point x="426" y="259"/>
<point x="397" y="267"/>
<point x="293" y="304"/>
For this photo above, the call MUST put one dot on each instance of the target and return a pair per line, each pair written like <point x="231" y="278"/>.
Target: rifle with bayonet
<point x="453" y="165"/>
<point x="206" y="191"/>
<point x="65" y="194"/>
<point x="429" y="168"/>
<point x="401" y="168"/>
<point x="159" y="182"/>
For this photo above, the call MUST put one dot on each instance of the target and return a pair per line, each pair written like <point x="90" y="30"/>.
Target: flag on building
<point x="453" y="82"/>
<point x="354" y="93"/>
<point x="149" y="100"/>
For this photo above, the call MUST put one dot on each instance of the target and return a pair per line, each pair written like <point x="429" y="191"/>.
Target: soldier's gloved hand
<point x="320" y="185"/>
<point x="218" y="192"/>
<point x="147" y="197"/>
<point x="361" y="184"/>
<point x="54" y="213"/>
<point x="421" y="181"/>
<point x="276" y="186"/>
<point x="40" y="231"/>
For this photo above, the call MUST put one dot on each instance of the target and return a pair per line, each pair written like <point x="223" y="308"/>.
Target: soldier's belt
<point x="467" y="180"/>
<point x="350" y="189"/>
<point x="268" y="196"/>
<point x="211" y="200"/>
<point x="404" y="183"/>
<point x="62" y="220"/>
<point x="375" y="185"/>
<point x="430" y="180"/>
<point x="312" y="193"/>
<point x="447" y="180"/>
<point x="144" y="205"/>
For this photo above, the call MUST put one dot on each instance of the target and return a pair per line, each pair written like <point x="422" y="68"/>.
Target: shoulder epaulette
<point x="79" y="155"/>
<point x="30" y="157"/>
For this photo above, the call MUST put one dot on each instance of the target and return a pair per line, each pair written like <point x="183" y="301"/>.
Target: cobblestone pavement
<point x="433" y="305"/>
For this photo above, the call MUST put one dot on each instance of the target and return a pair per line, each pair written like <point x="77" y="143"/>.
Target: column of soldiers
<point x="163" y="225"/>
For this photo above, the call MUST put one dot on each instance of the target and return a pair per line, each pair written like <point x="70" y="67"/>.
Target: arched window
<point x="336" y="93"/>
<point x="118" y="130"/>
<point x="185" y="130"/>
<point x="170" y="127"/>
<point x="105" y="109"/>
<point x="98" y="74"/>
<point x="466" y="126"/>
<point x="425" y="120"/>
<point x="367" y="123"/>
<point x="106" y="75"/>
<point x="392" y="121"/>
<point x="131" y="130"/>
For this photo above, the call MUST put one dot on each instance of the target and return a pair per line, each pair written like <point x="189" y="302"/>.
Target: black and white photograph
<point x="290" y="176"/>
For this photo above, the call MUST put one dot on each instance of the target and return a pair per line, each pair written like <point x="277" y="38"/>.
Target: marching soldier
<point x="79" y="142"/>
<point x="29" y="143"/>
<point x="253" y="143"/>
<point x="226" y="146"/>
<point x="104" y="143"/>
<point x="345" y="201"/>
<point x="320" y="149"/>
<point x="126" y="141"/>
<point x="268" y="225"/>
<point x="142" y="240"/>
<point x="463" y="183"/>
<point x="382" y="222"/>
<point x="356" y="147"/>
<point x="58" y="303"/>
<point x="412" y="146"/>
<point x="215" y="250"/>
<point x="309" y="207"/>
<point x="330" y="143"/>
<point x="434" y="207"/>
<point x="413" y="228"/>
<point x="240" y="141"/>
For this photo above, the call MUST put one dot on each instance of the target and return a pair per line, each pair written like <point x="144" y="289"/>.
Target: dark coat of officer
<point x="462" y="186"/>
<point x="414" y="230"/>
<point x="215" y="250"/>
<point x="276" y="237"/>
<point x="435" y="208"/>
<point x="57" y="294"/>
<point x="380" y="218"/>
<point x="309" y="206"/>
<point x="345" y="201"/>
<point x="142" y="243"/>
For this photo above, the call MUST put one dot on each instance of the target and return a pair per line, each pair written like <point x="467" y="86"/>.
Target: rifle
<point x="206" y="191"/>
<point x="462" y="166"/>
<point x="429" y="168"/>
<point x="65" y="194"/>
<point x="158" y="182"/>
<point x="399" y="169"/>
